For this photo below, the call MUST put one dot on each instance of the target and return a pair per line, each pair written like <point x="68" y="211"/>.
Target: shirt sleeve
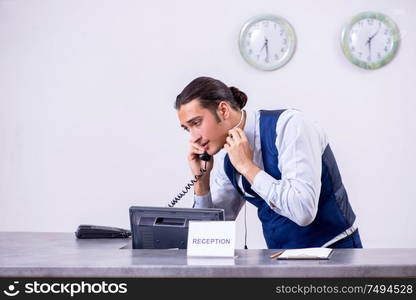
<point x="222" y="193"/>
<point x="300" y="144"/>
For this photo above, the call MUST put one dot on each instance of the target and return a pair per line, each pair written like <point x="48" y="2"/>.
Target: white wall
<point x="87" y="125"/>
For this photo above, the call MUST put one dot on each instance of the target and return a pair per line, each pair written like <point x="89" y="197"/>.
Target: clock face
<point x="370" y="40"/>
<point x="267" y="42"/>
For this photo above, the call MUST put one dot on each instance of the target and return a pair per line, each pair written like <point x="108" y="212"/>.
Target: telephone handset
<point x="204" y="157"/>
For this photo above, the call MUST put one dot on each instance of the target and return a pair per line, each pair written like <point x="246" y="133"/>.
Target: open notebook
<point x="305" y="253"/>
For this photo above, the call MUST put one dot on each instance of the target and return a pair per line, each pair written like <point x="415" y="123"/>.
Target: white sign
<point x="211" y="238"/>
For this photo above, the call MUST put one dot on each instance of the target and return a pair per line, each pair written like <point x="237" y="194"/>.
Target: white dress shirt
<point x="300" y="144"/>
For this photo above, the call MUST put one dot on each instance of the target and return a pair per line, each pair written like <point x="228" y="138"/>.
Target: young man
<point x="278" y="161"/>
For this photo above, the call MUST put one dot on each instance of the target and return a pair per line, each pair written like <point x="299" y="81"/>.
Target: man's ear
<point x="223" y="110"/>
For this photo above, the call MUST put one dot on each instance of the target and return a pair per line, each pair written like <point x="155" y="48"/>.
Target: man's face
<point x="203" y="126"/>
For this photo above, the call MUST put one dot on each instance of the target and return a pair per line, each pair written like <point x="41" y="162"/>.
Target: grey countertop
<point x="42" y="254"/>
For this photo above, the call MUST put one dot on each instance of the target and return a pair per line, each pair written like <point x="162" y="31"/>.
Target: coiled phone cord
<point x="188" y="186"/>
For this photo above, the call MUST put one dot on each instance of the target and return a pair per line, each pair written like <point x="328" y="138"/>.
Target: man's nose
<point x="195" y="137"/>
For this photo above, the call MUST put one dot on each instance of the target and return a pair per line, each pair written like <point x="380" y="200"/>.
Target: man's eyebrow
<point x="193" y="119"/>
<point x="190" y="121"/>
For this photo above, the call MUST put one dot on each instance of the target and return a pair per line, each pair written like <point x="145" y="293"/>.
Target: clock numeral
<point x="369" y="58"/>
<point x="281" y="32"/>
<point x="258" y="56"/>
<point x="386" y="49"/>
<point x="284" y="41"/>
<point x="250" y="51"/>
<point x="370" y="21"/>
<point x="266" y="60"/>
<point x="378" y="55"/>
<point x="249" y="34"/>
<point x="283" y="50"/>
<point x="386" y="32"/>
<point x="275" y="26"/>
<point x="352" y="49"/>
<point x="276" y="57"/>
<point x="360" y="54"/>
<point x="360" y="23"/>
<point x="388" y="40"/>
<point x="265" y="23"/>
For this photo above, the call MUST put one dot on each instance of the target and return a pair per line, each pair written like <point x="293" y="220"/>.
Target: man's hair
<point x="210" y="92"/>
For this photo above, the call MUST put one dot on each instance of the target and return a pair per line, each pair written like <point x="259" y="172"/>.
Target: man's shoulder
<point x="287" y="114"/>
<point x="283" y="111"/>
<point x="298" y="122"/>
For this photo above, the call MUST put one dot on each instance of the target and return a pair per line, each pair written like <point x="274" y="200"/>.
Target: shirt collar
<point x="250" y="127"/>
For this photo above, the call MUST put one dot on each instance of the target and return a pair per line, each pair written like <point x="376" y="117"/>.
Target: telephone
<point x="204" y="157"/>
<point x="97" y="231"/>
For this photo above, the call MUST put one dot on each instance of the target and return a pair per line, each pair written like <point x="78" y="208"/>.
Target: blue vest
<point x="334" y="215"/>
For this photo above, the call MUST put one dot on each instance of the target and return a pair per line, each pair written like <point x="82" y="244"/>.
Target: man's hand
<point x="240" y="153"/>
<point x="201" y="187"/>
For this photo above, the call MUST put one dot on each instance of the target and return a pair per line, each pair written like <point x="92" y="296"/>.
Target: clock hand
<point x="267" y="49"/>
<point x="369" y="49"/>
<point x="371" y="37"/>
<point x="264" y="45"/>
<point x="369" y="46"/>
<point x="379" y="26"/>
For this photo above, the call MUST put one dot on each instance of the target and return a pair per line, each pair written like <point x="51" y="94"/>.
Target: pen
<point x="276" y="255"/>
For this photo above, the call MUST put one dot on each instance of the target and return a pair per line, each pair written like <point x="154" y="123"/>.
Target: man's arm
<point x="300" y="145"/>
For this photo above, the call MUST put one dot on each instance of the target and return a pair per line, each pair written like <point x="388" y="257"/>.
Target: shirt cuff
<point x="204" y="201"/>
<point x="262" y="184"/>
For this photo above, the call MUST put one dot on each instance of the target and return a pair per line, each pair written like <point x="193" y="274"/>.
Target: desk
<point x="30" y="254"/>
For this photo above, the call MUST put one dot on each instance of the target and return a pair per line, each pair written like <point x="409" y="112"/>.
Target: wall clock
<point x="267" y="42"/>
<point x="370" y="40"/>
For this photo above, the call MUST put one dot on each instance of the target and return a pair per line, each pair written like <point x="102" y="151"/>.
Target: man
<point x="278" y="161"/>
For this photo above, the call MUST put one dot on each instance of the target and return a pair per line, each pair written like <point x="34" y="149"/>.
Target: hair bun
<point x="239" y="96"/>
